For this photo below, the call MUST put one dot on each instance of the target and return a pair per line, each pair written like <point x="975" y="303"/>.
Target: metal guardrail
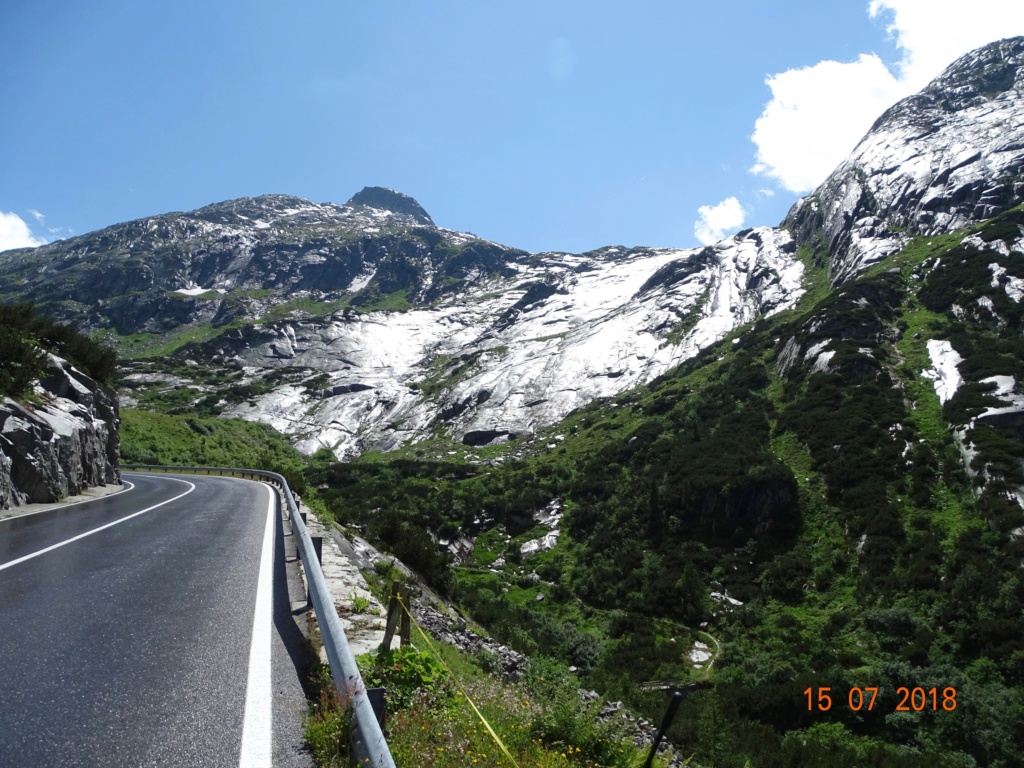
<point x="368" y="741"/>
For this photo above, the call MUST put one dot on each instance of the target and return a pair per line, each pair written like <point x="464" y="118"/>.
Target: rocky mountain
<point x="377" y="327"/>
<point x="949" y="156"/>
<point x="513" y="354"/>
<point x="366" y="326"/>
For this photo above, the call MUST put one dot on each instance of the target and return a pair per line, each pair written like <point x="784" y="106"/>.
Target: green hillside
<point x="157" y="438"/>
<point x="832" y="502"/>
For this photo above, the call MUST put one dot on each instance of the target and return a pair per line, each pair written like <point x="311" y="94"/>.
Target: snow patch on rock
<point x="197" y="291"/>
<point x="1014" y="286"/>
<point x="944" y="373"/>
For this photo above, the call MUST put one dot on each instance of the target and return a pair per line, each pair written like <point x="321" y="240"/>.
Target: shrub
<point x="23" y="333"/>
<point x="406" y="673"/>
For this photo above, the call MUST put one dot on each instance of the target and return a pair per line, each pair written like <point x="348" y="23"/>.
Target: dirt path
<point x="714" y="656"/>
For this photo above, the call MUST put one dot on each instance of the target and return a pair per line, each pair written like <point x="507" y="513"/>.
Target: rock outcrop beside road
<point x="63" y="441"/>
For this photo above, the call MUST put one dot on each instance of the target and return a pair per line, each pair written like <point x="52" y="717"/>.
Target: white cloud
<point x="817" y="114"/>
<point x="37" y="215"/>
<point x="932" y="33"/>
<point x="14" y="233"/>
<point x="716" y="220"/>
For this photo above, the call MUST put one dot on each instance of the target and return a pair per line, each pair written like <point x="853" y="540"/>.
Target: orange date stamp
<point x="909" y="699"/>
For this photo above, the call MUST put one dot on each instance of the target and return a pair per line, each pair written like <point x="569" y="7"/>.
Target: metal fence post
<point x="670" y="714"/>
<point x="318" y="547"/>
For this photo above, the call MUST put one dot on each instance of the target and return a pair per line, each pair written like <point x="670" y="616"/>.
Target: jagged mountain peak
<point x="945" y="158"/>
<point x="385" y="199"/>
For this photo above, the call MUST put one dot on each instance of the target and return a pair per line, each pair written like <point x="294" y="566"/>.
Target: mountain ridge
<point x="939" y="160"/>
<point x="390" y="329"/>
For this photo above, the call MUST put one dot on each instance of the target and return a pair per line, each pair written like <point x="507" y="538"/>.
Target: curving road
<point x="152" y="628"/>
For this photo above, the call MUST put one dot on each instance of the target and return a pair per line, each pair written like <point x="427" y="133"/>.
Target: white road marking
<point x="258" y="730"/>
<point x="58" y="505"/>
<point x="52" y="547"/>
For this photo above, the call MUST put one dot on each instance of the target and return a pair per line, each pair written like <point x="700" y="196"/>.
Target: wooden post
<point x="393" y="610"/>
<point x="404" y="634"/>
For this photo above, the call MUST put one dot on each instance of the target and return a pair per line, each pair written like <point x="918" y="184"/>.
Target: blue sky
<point x="542" y="125"/>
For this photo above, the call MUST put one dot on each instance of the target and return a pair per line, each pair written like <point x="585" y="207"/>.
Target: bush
<point x="23" y="334"/>
<point x="565" y="719"/>
<point x="20" y="364"/>
<point x="406" y="673"/>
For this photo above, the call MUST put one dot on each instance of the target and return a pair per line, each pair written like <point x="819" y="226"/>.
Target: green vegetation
<point x="25" y="335"/>
<point x="157" y="438"/>
<point x="304" y="306"/>
<point x="359" y="603"/>
<point x="447" y="371"/>
<point x="816" y="282"/>
<point x="371" y="299"/>
<point x="688" y="323"/>
<point x="328" y="725"/>
<point x="541" y="721"/>
<point x="180" y="386"/>
<point x="142" y="346"/>
<point x="807" y="470"/>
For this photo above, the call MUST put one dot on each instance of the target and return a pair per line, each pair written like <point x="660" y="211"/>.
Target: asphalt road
<point x="132" y="632"/>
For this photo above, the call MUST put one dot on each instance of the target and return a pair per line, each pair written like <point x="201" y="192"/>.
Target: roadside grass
<point x="541" y="720"/>
<point x="327" y="728"/>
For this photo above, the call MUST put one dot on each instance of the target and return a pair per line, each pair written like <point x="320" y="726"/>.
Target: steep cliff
<point x="61" y="443"/>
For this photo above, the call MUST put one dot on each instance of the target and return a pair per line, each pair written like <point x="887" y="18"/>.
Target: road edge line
<point x="257" y="728"/>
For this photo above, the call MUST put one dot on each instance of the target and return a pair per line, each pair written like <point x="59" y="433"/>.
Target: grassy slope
<point x="155" y="438"/>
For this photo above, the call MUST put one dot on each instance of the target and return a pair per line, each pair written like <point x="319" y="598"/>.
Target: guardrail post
<point x="379" y="701"/>
<point x="318" y="547"/>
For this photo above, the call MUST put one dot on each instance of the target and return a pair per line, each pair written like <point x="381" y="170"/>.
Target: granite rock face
<point x="513" y="354"/>
<point x="67" y="443"/>
<point x="949" y="156"/>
